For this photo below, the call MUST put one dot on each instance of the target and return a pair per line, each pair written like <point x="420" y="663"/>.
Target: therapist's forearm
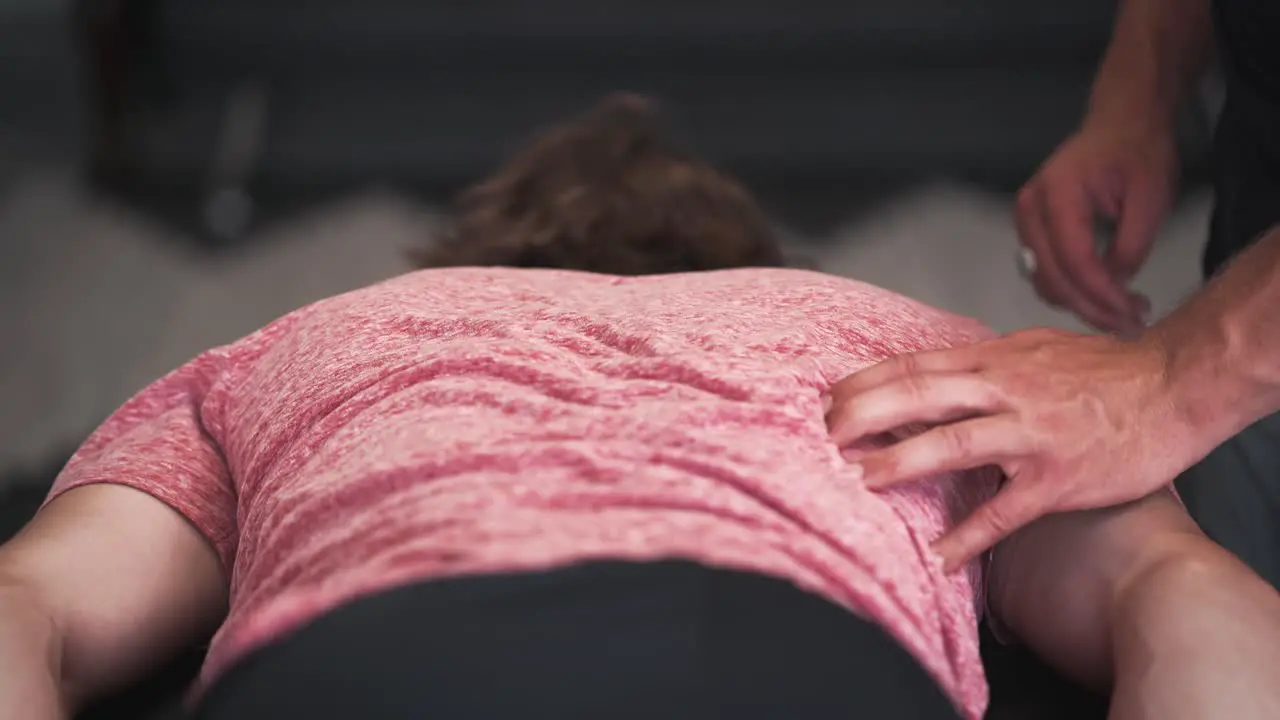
<point x="1223" y="346"/>
<point x="1159" y="50"/>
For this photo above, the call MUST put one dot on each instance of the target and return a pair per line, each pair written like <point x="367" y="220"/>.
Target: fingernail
<point x="826" y="403"/>
<point x="855" y="470"/>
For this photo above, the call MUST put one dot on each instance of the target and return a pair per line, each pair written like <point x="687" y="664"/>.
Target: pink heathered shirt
<point x="460" y="421"/>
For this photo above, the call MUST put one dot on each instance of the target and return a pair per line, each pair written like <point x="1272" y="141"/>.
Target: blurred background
<point x="175" y="173"/>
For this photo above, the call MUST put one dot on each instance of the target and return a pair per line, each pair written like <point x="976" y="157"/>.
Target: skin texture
<point x="1133" y="600"/>
<point x="120" y="579"/>
<point x="1119" y="168"/>
<point x="30" y="656"/>
<point x="1052" y="409"/>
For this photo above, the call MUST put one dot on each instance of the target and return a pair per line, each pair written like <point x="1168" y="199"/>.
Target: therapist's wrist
<point x="1206" y="402"/>
<point x="1179" y="417"/>
<point x="1130" y="120"/>
<point x="1222" y="346"/>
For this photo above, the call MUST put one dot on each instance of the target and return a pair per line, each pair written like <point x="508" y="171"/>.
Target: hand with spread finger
<point x="1074" y="421"/>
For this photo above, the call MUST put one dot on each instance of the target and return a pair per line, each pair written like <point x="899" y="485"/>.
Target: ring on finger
<point x="1028" y="264"/>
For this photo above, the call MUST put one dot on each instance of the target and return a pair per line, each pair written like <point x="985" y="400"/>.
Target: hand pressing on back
<point x="1074" y="421"/>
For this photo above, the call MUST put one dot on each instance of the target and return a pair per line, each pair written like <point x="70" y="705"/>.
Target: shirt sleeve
<point x="158" y="443"/>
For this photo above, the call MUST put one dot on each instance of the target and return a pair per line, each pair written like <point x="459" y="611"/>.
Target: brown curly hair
<point x="607" y="192"/>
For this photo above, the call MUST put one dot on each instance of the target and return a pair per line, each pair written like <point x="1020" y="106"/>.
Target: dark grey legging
<point x="1234" y="494"/>
<point x="663" y="641"/>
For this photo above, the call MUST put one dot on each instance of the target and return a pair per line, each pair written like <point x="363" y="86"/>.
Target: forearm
<point x="1196" y="635"/>
<point x="1222" y="347"/>
<point x="1159" y="50"/>
<point x="30" y="659"/>
<point x="1134" y="601"/>
<point x="1055" y="585"/>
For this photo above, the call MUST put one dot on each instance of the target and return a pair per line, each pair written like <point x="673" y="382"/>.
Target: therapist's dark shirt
<point x="1247" y="140"/>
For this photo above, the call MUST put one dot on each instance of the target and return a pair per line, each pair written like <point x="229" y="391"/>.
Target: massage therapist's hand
<point x="1075" y="421"/>
<point x="1104" y="174"/>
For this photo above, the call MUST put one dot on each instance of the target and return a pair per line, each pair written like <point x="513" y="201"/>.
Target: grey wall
<point x="39" y="98"/>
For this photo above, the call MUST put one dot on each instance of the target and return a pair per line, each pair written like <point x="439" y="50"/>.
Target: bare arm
<point x="104" y="583"/>
<point x="30" y="656"/>
<point x="1223" y="347"/>
<point x="1054" y="583"/>
<point x="1135" y="601"/>
<point x="1159" y="49"/>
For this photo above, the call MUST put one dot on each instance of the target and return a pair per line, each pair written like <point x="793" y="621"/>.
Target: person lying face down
<point x="579" y="468"/>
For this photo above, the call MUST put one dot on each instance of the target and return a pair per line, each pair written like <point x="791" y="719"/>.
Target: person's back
<point x="476" y="420"/>
<point x="498" y="420"/>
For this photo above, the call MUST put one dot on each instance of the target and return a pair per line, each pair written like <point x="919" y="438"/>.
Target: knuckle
<point x="1038" y="463"/>
<point x="998" y="518"/>
<point x="979" y="390"/>
<point x="886" y="463"/>
<point x="909" y="365"/>
<point x="1059" y="191"/>
<point x="956" y="441"/>
<point x="841" y="418"/>
<point x="995" y="395"/>
<point x="916" y="388"/>
<point x="845" y="391"/>
<point x="1042" y="336"/>
<point x="1046" y="352"/>
<point x="851" y="422"/>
